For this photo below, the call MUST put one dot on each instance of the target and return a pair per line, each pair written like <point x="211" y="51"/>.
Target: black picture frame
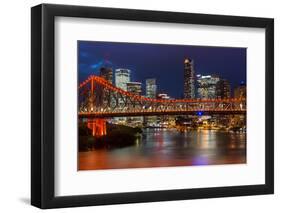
<point x="43" y="117"/>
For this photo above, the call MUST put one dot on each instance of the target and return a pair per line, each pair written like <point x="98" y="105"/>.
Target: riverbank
<point x="166" y="147"/>
<point x="117" y="136"/>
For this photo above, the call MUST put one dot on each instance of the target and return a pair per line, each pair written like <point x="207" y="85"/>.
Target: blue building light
<point x="199" y="113"/>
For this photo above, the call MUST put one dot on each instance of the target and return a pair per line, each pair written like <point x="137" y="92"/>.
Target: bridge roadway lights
<point x="96" y="115"/>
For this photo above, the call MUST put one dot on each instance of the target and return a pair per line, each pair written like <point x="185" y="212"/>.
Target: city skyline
<point x="152" y="105"/>
<point x="93" y="56"/>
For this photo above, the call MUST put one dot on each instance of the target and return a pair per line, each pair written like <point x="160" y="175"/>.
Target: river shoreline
<point x="164" y="148"/>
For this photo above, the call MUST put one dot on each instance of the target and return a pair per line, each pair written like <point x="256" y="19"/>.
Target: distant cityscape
<point x="196" y="86"/>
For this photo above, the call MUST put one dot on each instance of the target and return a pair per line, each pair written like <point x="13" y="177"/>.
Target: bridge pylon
<point x="98" y="126"/>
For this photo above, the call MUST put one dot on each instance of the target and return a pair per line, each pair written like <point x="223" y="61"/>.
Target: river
<point x="168" y="147"/>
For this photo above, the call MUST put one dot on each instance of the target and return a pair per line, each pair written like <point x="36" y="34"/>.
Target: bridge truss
<point x="100" y="99"/>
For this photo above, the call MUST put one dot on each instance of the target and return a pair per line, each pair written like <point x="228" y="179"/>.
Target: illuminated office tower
<point x="107" y="74"/>
<point x="165" y="120"/>
<point x="207" y="85"/>
<point x="136" y="89"/>
<point x="122" y="77"/>
<point x="189" y="79"/>
<point x="151" y="87"/>
<point x="223" y="89"/>
<point x="151" y="90"/>
<point x="240" y="91"/>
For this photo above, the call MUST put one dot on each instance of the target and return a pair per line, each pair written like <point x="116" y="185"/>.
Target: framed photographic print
<point x="140" y="106"/>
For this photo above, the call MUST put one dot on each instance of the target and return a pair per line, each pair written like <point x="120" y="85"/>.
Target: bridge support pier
<point x="98" y="126"/>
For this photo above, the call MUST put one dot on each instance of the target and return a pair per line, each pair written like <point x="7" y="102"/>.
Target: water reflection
<point x="163" y="147"/>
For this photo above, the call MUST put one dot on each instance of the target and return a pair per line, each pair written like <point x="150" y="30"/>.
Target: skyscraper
<point x="122" y="77"/>
<point x="164" y="120"/>
<point x="223" y="89"/>
<point x="107" y="74"/>
<point x="207" y="85"/>
<point x="134" y="88"/>
<point x="189" y="79"/>
<point x="151" y="87"/>
<point x="150" y="92"/>
<point x="240" y="91"/>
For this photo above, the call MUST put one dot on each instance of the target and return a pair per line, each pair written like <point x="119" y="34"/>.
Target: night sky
<point x="161" y="61"/>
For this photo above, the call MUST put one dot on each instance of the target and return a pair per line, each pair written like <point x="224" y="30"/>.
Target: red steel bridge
<point x="99" y="99"/>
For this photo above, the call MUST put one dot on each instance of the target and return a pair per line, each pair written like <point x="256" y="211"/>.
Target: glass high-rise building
<point x="240" y="91"/>
<point x="122" y="77"/>
<point x="206" y="86"/>
<point x="136" y="89"/>
<point x="165" y="120"/>
<point x="150" y="92"/>
<point x="223" y="89"/>
<point x="189" y="79"/>
<point x="107" y="74"/>
<point x="151" y="88"/>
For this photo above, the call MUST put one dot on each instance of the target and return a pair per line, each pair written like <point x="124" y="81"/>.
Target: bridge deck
<point x="132" y="114"/>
